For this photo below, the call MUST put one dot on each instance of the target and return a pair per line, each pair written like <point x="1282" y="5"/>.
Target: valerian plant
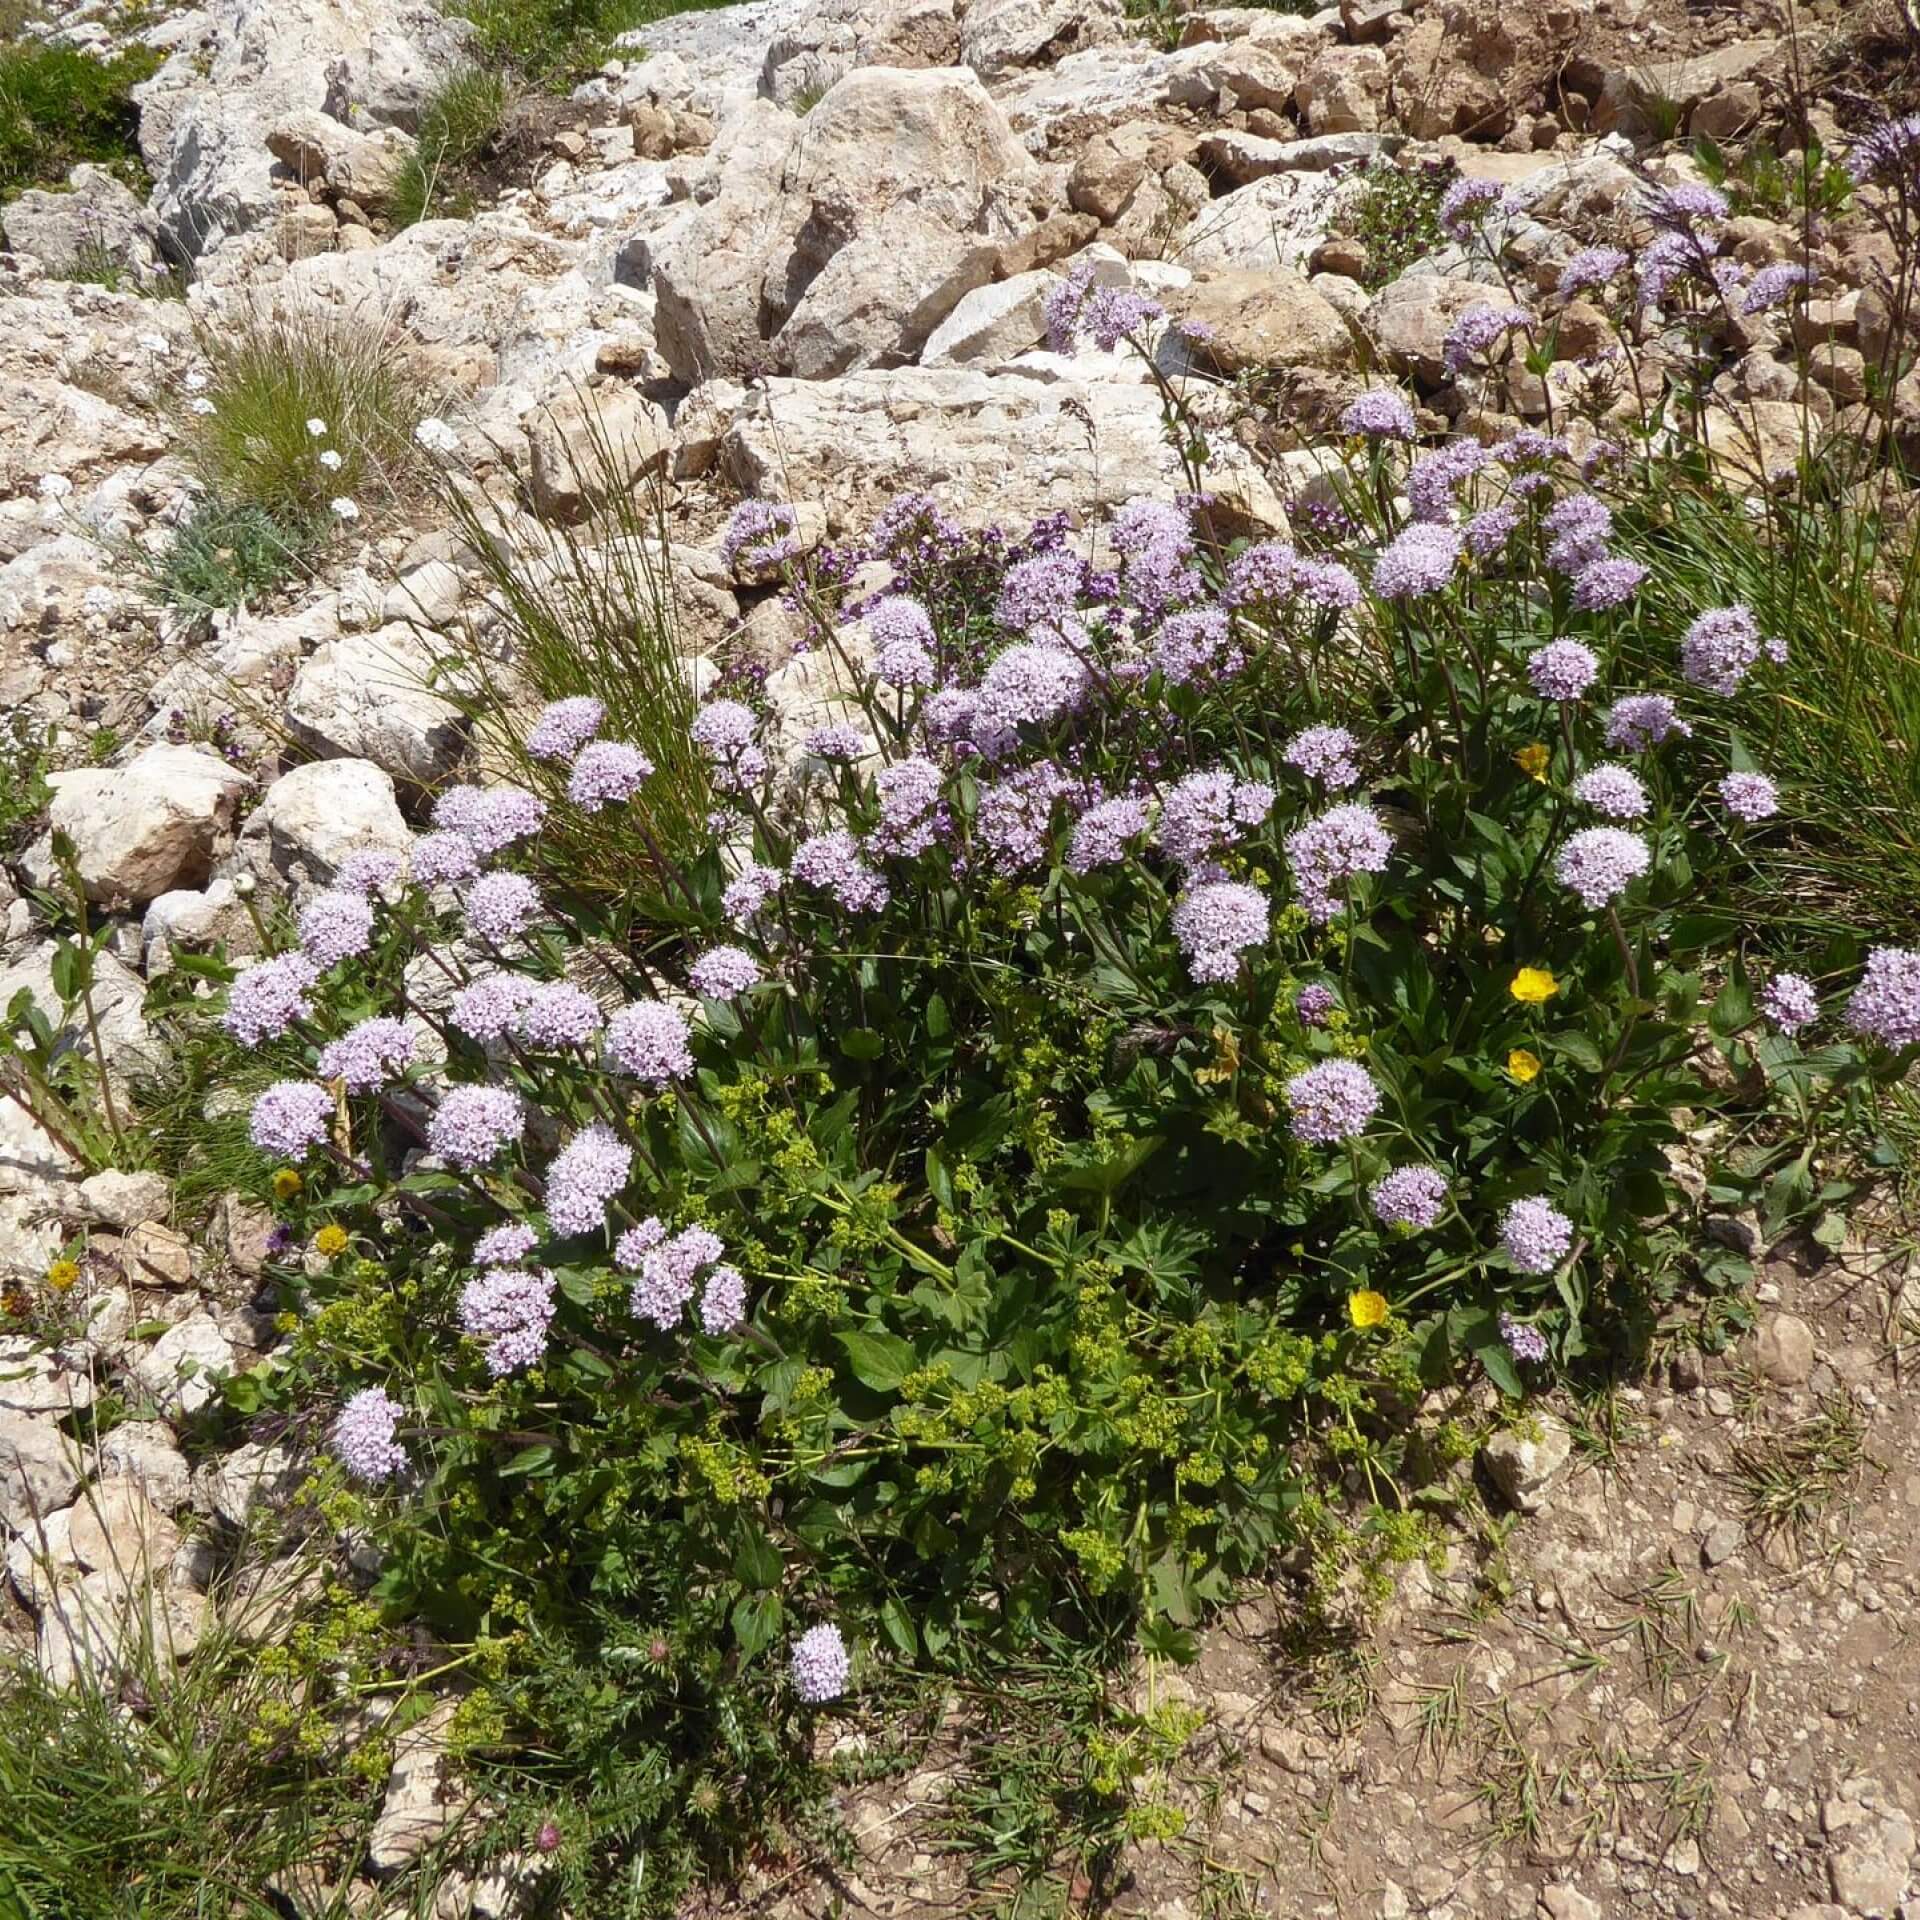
<point x="1177" y="997"/>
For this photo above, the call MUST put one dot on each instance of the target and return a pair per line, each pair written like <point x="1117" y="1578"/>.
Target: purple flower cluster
<point x="1102" y="833"/>
<point x="1600" y="863"/>
<point x="564" y="727"/>
<point x="1410" y="1197"/>
<point x="443" y="859"/>
<point x="1381" y="413"/>
<point x="668" y="1268"/>
<point x="833" y="862"/>
<point x="747" y="893"/>
<point x="1771" y="285"/>
<point x="1314" y="1003"/>
<point x="1418" y="560"/>
<point x="584" y="1175"/>
<point x="335" y="926"/>
<point x="265" y="1000"/>
<point x="505" y="1245"/>
<point x="724" y="730"/>
<point x="1602" y="585"/>
<point x="1028" y="685"/>
<point x="723" y="973"/>
<point x="1750" y="796"/>
<point x="607" y="773"/>
<point x="912" y="816"/>
<point x="370" y="870"/>
<point x="903" y="642"/>
<point x="820" y="1666"/>
<point x="1327" y="754"/>
<point x="1435" y="478"/>
<point x="1215" y="923"/>
<point x="1337" y="846"/>
<point x="511" y="1310"/>
<point x="839" y="740"/>
<point x="1536" y="1236"/>
<point x="368" y="1056"/>
<point x="1615" y="791"/>
<point x="760" y="534"/>
<point x="473" y="1124"/>
<point x="1208" y="811"/>
<point x="1562" y="670"/>
<point x="1489" y="531"/>
<point x="1154" y="539"/>
<point x="1638" y="721"/>
<point x="1013" y="821"/>
<point x="290" y="1119"/>
<point x="489" y="818"/>
<point x="1524" y="1342"/>
<point x="723" y="1301"/>
<point x="1466" y="204"/>
<point x="649" y="1040"/>
<point x="500" y="906"/>
<point x="362" y="1436"/>
<point x="1197" y="644"/>
<point x="1885" y="1006"/>
<point x="1479" y="330"/>
<point x="1265" y="575"/>
<point x="488" y="1008"/>
<point x="555" y="1014"/>
<point x="1590" y="268"/>
<point x="1790" y="1001"/>
<point x="1331" y="1102"/>
<point x="1107" y="315"/>
<point x="1720" y="649"/>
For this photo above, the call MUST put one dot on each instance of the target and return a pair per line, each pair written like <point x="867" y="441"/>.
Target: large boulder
<point x="993" y="323"/>
<point x="1252" y="321"/>
<point x="369" y="696"/>
<point x="591" y="440"/>
<point x="147" y="827"/>
<point x="95" y="223"/>
<point x="1277" y="221"/>
<point x="319" y="150"/>
<point x="918" y="168"/>
<point x="310" y="819"/>
<point x="1409" y="319"/>
<point x="999" y="35"/>
<point x="130" y="1047"/>
<point x="832" y="37"/>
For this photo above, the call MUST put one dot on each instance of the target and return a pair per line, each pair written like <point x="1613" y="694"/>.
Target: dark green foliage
<point x="1398" y="220"/>
<point x="456" y="126"/>
<point x="1759" y="180"/>
<point x="553" y="41"/>
<point x="59" y="106"/>
<point x="224" y="555"/>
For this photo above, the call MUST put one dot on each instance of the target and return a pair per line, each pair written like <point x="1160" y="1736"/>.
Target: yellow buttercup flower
<point x="1523" y="1066"/>
<point x="63" y="1274"/>
<point x="287" y="1183"/>
<point x="1366" y="1308"/>
<point x="1534" y="986"/>
<point x="1533" y="761"/>
<point x="330" y="1240"/>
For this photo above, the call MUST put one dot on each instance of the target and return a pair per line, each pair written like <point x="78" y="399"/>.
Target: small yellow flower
<point x="329" y="1241"/>
<point x="63" y="1274"/>
<point x="1523" y="1066"/>
<point x="1534" y="986"/>
<point x="1366" y="1308"/>
<point x="287" y="1183"/>
<point x="1534" y="760"/>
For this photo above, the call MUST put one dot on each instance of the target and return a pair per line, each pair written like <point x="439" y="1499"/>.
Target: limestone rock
<point x="238" y="1487"/>
<point x="116" y="1527"/>
<point x="1783" y="1350"/>
<point x="997" y="35"/>
<point x="182" y="1368"/>
<point x="368" y="697"/>
<point x="156" y="1256"/>
<point x="1409" y="320"/>
<point x="1523" y="1464"/>
<point x="311" y="818"/>
<point x="147" y="827"/>
<point x="1277" y="221"/>
<point x="359" y="166"/>
<point x="1871" y="1873"/>
<point x="40" y="1468"/>
<point x="95" y="221"/>
<point x="590" y="440"/>
<point x="1343" y="91"/>
<point x="92" y="1628"/>
<point x="124" y="1200"/>
<point x="808" y="54"/>
<point x="142" y="1452"/>
<point x="130" y="1046"/>
<point x="33" y="1381"/>
<point x="1629" y="94"/>
<point x="1256" y="320"/>
<point x="420" y="1802"/>
<point x="992" y="323"/>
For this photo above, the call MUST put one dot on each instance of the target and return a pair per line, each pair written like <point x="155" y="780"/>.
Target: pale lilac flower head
<point x="584" y="1175"/>
<point x="290" y="1119"/>
<point x="1194" y="644"/>
<point x="1326" y="584"/>
<point x="1331" y="1102"/>
<point x="723" y="1301"/>
<point x="1215" y="923"/>
<point x="833" y="862"/>
<point x="1592" y="267"/>
<point x="556" y="1014"/>
<point x="1030" y="684"/>
<point x="1326" y="754"/>
<point x="1381" y="413"/>
<point x="369" y="1056"/>
<point x="633" y="1246"/>
<point x="1678" y="209"/>
<point x="487" y="1009"/>
<point x="1434" y="478"/>
<point x="362" y="1436"/>
<point x="1411" y="1197"/>
<point x="1524" y="1342"/>
<point x="1466" y="204"/>
<point x="725" y="730"/>
<point x="668" y="1270"/>
<point x="1602" y="585"/>
<point x="1581" y="526"/>
<point x="748" y="892"/>
<point x="1600" y="863"/>
<point x="564" y="727"/>
<point x="1314" y="1003"/>
<point x="265" y="1000"/>
<point x="606" y="773"/>
<point x="1771" y="285"/>
<point x="903" y="643"/>
<point x="1637" y="721"/>
<point x="723" y="973"/>
<point x="505" y="1244"/>
<point x="1417" y="561"/>
<point x="490" y="817"/>
<point x="1102" y="833"/>
<point x="1479" y="330"/>
<point x="820" y="1666"/>
<point x="439" y="859"/>
<point x="1040" y="596"/>
<point x="1790" y="1001"/>
<point x="511" y="1310"/>
<point x="1888" y="155"/>
<point x="1720" y="649"/>
<point x="1263" y="576"/>
<point x="501" y="905"/>
<point x="1750" y="796"/>
<point x="474" y="1124"/>
<point x="1562" y="670"/>
<point x="648" y="1040"/>
<point x="335" y="926"/>
<point x="760" y="534"/>
<point x="1488" y="531"/>
<point x="1338" y="845"/>
<point x="1154" y="539"/>
<point x="912" y="813"/>
<point x="838" y="740"/>
<point x="369" y="870"/>
<point x="1205" y="812"/>
<point x="1013" y="820"/>
<point x="1536" y="1236"/>
<point x="1885" y="1006"/>
<point x="1614" y="791"/>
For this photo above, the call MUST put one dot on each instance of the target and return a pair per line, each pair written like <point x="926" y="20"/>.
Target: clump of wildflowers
<point x="1536" y="1236"/>
<point x="1411" y="1197"/>
<point x="1600" y="863"/>
<point x="1216" y="923"/>
<point x="820" y="1665"/>
<point x="1331" y="1102"/>
<point x="362" y="1436"/>
<point x="1885" y="1006"/>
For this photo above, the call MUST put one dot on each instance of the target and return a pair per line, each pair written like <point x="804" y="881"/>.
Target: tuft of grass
<point x="224" y="556"/>
<point x="1787" y="1480"/>
<point x="457" y="125"/>
<point x="59" y="107"/>
<point x="1398" y="217"/>
<point x="553" y="42"/>
<point x="268" y="377"/>
<point x="592" y="614"/>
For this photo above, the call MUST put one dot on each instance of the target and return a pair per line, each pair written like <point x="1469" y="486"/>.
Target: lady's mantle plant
<point x="1184" y="989"/>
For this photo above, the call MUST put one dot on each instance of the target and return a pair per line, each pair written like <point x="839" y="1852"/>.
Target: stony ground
<point x="766" y="240"/>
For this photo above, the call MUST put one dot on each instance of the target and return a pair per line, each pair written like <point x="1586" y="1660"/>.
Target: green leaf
<point x="756" y="1622"/>
<point x="879" y="1360"/>
<point x="897" y="1624"/>
<point x="537" y="1460"/>
<point x="1109" y="1176"/>
<point x="756" y="1561"/>
<point x="862" y="1043"/>
<point x="1498" y="1365"/>
<point x="1578" y="1048"/>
